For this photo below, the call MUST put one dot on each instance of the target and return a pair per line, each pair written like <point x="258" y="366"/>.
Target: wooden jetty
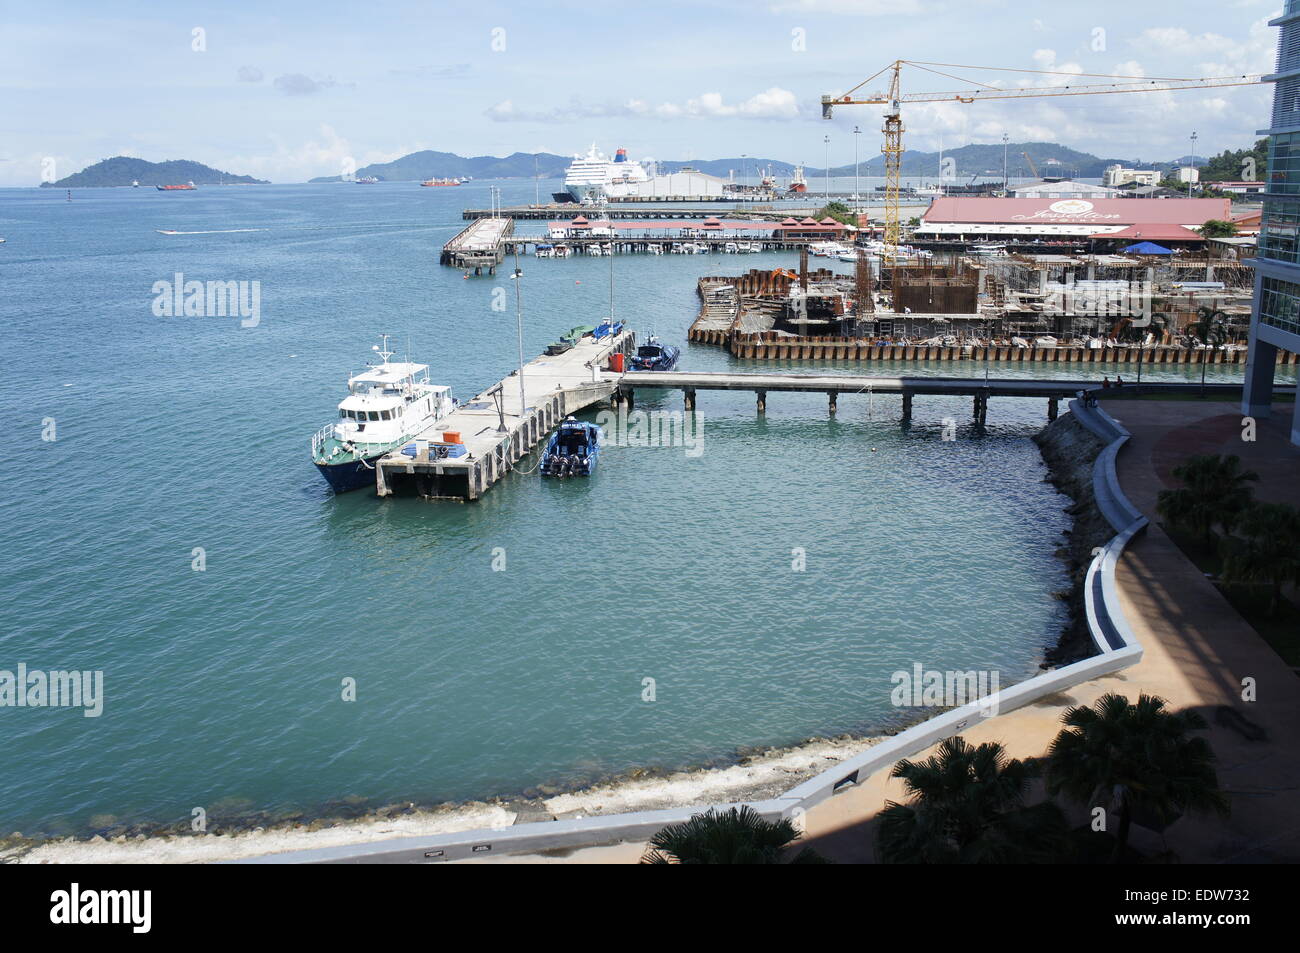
<point x="495" y="431"/>
<point x="480" y="245"/>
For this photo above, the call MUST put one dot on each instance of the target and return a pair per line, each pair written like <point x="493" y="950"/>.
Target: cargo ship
<point x="367" y="180"/>
<point x="798" y="184"/>
<point x="437" y="182"/>
<point x="188" y="186"/>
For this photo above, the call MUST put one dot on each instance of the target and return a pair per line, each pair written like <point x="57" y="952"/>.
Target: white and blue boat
<point x="573" y="450"/>
<point x="387" y="405"/>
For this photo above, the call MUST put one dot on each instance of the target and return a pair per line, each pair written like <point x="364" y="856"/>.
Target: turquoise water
<point x="222" y="687"/>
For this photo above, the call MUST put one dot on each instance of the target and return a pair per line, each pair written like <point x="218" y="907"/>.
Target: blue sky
<point x="290" y="90"/>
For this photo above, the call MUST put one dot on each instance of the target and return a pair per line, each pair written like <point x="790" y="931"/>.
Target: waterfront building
<point x="1117" y="175"/>
<point x="1047" y="219"/>
<point x="1063" y="189"/>
<point x="1275" y="321"/>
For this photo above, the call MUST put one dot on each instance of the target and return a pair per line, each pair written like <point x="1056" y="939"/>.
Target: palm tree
<point x="1138" y="754"/>
<point x="967" y="806"/>
<point x="1268" y="553"/>
<point x="1212" y="332"/>
<point x="1215" y="494"/>
<point x="737" y="836"/>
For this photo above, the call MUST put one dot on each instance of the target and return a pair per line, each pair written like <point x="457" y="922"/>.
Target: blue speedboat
<point x="654" y="356"/>
<point x="572" y="450"/>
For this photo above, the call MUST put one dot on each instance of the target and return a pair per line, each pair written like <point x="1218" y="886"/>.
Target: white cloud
<point x="863" y="8"/>
<point x="773" y="104"/>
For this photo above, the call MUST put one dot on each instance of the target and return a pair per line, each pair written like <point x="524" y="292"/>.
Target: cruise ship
<point x="594" y="177"/>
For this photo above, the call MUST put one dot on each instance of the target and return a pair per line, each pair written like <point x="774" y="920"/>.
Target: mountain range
<point x="969" y="160"/>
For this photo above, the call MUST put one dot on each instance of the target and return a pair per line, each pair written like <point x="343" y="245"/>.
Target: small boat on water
<point x="434" y="183"/>
<point x="387" y="405"/>
<point x="654" y="355"/>
<point x="572" y="450"/>
<point x="185" y="187"/>
<point x="367" y="180"/>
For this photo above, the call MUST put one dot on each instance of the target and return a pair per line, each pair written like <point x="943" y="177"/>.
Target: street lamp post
<point x="1192" y="168"/>
<point x="1005" y="140"/>
<point x="828" y="170"/>
<point x="857" y="138"/>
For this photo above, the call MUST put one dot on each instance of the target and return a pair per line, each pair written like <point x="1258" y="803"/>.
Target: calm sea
<point x="222" y="687"/>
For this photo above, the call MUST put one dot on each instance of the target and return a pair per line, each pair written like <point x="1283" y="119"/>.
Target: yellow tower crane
<point x="894" y="98"/>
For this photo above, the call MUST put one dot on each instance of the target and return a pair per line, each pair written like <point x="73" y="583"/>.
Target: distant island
<point x="125" y="171"/>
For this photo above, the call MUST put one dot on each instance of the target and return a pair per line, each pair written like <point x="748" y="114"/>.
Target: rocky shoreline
<point x="1069" y="450"/>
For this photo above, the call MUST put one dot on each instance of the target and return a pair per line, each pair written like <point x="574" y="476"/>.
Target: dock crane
<point x="894" y="99"/>
<point x="1032" y="168"/>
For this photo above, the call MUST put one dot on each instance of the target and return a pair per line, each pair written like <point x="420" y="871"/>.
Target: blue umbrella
<point x="1148" y="248"/>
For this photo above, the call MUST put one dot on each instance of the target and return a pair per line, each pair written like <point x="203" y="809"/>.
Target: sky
<point x="291" y="90"/>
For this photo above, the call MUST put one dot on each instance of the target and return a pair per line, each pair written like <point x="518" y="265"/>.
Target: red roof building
<point x="1069" y="218"/>
<point x="1153" y="233"/>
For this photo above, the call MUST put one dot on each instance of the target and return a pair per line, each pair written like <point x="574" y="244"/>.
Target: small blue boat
<point x="654" y="356"/>
<point x="606" y="329"/>
<point x="572" y="450"/>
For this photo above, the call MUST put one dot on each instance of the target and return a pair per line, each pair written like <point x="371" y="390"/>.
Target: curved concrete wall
<point x="1117" y="648"/>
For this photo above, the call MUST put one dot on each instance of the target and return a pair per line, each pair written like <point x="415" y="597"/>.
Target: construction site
<point x="1085" y="309"/>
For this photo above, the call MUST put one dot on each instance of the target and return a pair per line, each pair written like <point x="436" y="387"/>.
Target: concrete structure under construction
<point x="1275" y="322"/>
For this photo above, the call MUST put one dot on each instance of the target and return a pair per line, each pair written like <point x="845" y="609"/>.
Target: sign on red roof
<point x="1077" y="211"/>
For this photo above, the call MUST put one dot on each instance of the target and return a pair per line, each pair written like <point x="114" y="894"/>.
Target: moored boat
<point x="654" y="355"/>
<point x="387" y="405"/>
<point x="573" y="450"/>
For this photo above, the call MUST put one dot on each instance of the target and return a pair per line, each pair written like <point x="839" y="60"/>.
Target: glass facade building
<point x="1275" y="323"/>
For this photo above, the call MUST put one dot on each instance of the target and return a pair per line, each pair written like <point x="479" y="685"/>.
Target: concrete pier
<point x="495" y="431"/>
<point x="480" y="245"/>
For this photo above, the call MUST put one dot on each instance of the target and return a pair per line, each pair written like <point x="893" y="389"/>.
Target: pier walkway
<point x="479" y="245"/>
<point x="494" y="431"/>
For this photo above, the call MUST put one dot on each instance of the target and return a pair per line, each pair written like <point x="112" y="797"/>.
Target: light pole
<point x="1192" y="168"/>
<point x="744" y="165"/>
<point x="857" y="138"/>
<point x="828" y="170"/>
<point x="519" y="325"/>
<point x="1005" y="140"/>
